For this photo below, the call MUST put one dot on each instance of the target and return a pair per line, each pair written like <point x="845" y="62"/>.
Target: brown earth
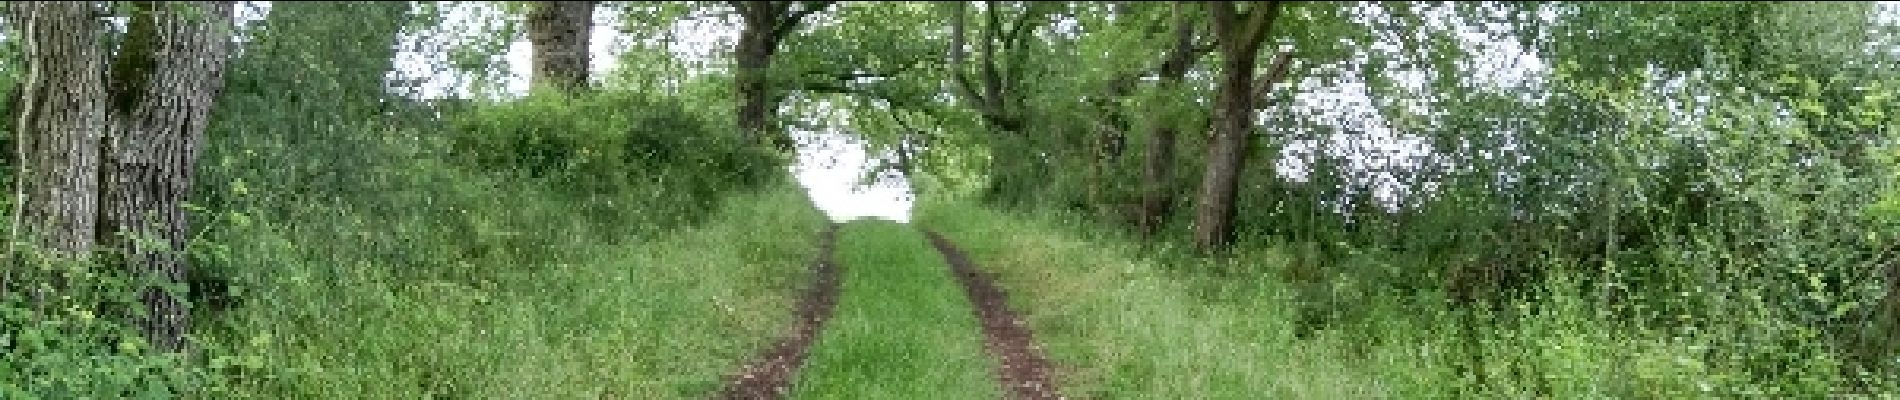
<point x="769" y="376"/>
<point x="1022" y="369"/>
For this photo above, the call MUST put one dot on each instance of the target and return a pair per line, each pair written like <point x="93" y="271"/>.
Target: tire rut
<point x="1022" y="370"/>
<point x="769" y="376"/>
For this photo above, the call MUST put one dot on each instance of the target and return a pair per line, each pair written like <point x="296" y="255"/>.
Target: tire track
<point x="1021" y="368"/>
<point x="769" y="376"/>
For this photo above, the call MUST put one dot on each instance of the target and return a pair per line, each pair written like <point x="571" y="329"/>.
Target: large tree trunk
<point x="758" y="41"/>
<point x="1239" y="37"/>
<point x="61" y="124"/>
<point x="165" y="82"/>
<point x="559" y="32"/>
<point x="1158" y="166"/>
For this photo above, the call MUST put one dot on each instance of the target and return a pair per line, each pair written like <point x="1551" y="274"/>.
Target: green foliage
<point x="1150" y="320"/>
<point x="1678" y="199"/>
<point x="377" y="246"/>
<point x="408" y="307"/>
<point x="1679" y="167"/>
<point x="599" y="147"/>
<point x="65" y="332"/>
<point x="357" y="244"/>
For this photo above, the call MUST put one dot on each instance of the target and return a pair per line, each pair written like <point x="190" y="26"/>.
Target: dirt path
<point x="1022" y="369"/>
<point x="769" y="376"/>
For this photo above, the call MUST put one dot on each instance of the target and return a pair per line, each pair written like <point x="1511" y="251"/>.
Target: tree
<point x="995" y="90"/>
<point x="61" y="124"/>
<point x="1238" y="37"/>
<point x="165" y="81"/>
<point x="111" y="153"/>
<point x="764" y="25"/>
<point x="1158" y="164"/>
<point x="559" y="32"/>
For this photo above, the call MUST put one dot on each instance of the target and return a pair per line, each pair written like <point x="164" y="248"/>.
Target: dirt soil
<point x="769" y="376"/>
<point x="1022" y="369"/>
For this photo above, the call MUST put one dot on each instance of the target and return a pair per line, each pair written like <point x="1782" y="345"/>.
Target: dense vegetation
<point x="1189" y="199"/>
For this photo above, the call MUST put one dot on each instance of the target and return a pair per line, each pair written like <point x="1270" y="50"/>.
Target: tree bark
<point x="757" y="44"/>
<point x="1158" y="167"/>
<point x="1238" y="37"/>
<point x="60" y="126"/>
<point x="165" y="82"/>
<point x="559" y="32"/>
<point x="763" y="24"/>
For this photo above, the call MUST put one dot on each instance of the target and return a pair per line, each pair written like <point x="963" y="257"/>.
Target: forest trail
<point x="894" y="332"/>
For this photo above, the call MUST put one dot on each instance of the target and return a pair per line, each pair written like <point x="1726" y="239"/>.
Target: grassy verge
<point x="606" y="319"/>
<point x="1124" y="321"/>
<point x="903" y="329"/>
<point x="1120" y="328"/>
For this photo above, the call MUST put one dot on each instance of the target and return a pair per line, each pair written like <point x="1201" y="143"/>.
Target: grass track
<point x="903" y="328"/>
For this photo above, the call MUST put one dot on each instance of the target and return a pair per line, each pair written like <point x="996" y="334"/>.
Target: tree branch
<point x="1263" y="86"/>
<point x="992" y="79"/>
<point x="1260" y="22"/>
<point x="1222" y="13"/>
<point x="1020" y="25"/>
<point x="1013" y="40"/>
<point x="836" y="87"/>
<point x="1185" y="51"/>
<point x="958" y="57"/>
<point x="789" y="20"/>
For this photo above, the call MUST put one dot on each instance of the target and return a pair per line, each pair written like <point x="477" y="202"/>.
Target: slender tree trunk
<point x="559" y="32"/>
<point x="1888" y="314"/>
<point x="1239" y="37"/>
<point x="165" y="82"/>
<point x="62" y="121"/>
<point x="1158" y="167"/>
<point x="1157" y="176"/>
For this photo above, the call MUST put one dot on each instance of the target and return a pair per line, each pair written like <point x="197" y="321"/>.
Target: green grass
<point x="903" y="327"/>
<point x="610" y="319"/>
<point x="1119" y="328"/>
<point x="1126" y="321"/>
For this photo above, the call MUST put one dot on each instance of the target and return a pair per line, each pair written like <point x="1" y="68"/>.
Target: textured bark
<point x="763" y="24"/>
<point x="1158" y="167"/>
<point x="757" y="44"/>
<point x="165" y="82"/>
<point x="559" y="32"/>
<point x="1238" y="37"/>
<point x="62" y="121"/>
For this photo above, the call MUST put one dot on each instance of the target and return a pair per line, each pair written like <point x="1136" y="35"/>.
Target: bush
<point x="608" y="142"/>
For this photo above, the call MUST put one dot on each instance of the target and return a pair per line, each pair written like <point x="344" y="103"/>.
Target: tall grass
<point x="658" y="319"/>
<point x="353" y="244"/>
<point x="1127" y="320"/>
<point x="903" y="329"/>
